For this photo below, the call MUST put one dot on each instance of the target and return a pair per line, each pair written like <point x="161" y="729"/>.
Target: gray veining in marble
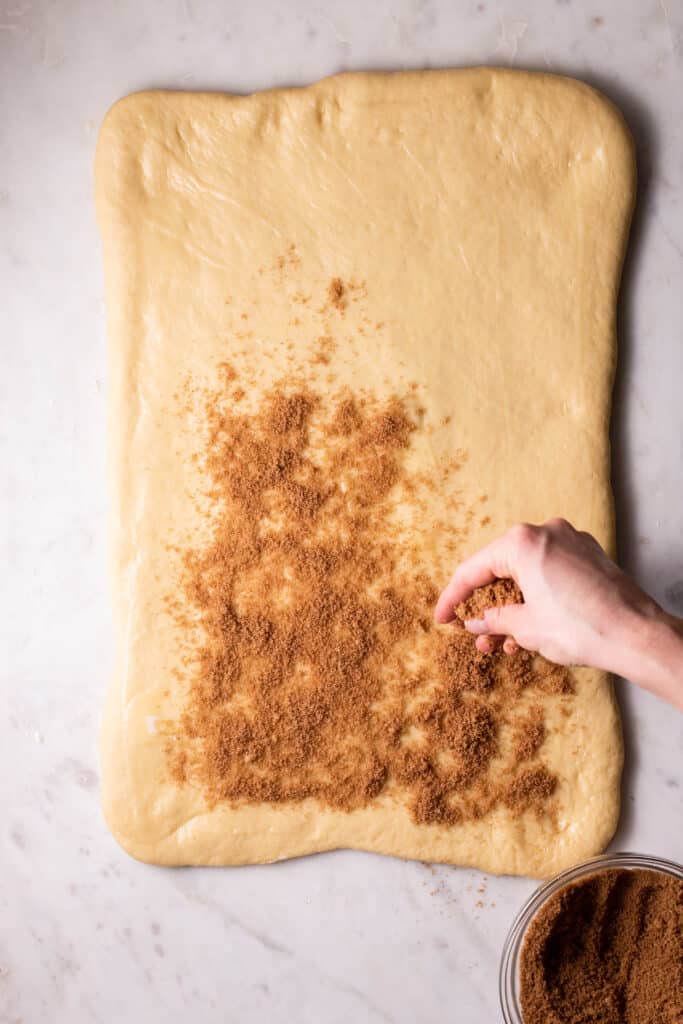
<point x="87" y="934"/>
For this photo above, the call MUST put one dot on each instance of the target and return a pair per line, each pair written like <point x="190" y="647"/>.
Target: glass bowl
<point x="508" y="979"/>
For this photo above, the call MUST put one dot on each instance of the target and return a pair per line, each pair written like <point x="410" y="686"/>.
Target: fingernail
<point x="477" y="626"/>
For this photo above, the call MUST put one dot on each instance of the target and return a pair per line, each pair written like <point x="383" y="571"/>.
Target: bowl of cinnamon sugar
<point x="601" y="943"/>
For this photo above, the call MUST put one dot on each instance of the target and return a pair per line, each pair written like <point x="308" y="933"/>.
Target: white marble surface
<point x="87" y="934"/>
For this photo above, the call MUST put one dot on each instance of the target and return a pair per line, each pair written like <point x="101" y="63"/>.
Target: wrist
<point x="649" y="652"/>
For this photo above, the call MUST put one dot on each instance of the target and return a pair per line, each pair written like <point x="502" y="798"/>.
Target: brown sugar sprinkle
<point x="324" y="350"/>
<point x="288" y="260"/>
<point x="529" y="734"/>
<point x="317" y="671"/>
<point x="336" y="293"/>
<point x="606" y="949"/>
<point x="530" y="789"/>
<point x="493" y="595"/>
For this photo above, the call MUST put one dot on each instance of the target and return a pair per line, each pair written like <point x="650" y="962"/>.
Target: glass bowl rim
<point x="507" y="976"/>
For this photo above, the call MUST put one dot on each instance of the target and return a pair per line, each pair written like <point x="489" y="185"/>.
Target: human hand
<point x="579" y="607"/>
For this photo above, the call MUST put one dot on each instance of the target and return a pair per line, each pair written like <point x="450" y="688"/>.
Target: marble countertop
<point x="87" y="934"/>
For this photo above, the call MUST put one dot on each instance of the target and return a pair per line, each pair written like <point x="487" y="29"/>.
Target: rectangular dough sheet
<point x="484" y="215"/>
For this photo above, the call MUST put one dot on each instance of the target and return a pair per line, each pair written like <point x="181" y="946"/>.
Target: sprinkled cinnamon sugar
<point x="529" y="734"/>
<point x="530" y="788"/>
<point x="336" y="293"/>
<point x="493" y="595"/>
<point x="324" y="351"/>
<point x="318" y="672"/>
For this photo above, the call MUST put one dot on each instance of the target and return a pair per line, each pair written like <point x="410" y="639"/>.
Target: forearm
<point x="649" y="652"/>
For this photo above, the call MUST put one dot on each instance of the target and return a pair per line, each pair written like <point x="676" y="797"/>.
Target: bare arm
<point x="579" y="607"/>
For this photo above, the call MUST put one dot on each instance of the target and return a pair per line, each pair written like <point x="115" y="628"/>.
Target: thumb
<point x="504" y="620"/>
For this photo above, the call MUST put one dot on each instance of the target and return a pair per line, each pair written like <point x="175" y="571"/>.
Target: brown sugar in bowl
<point x="556" y="922"/>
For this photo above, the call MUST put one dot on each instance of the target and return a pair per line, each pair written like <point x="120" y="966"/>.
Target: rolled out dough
<point x="483" y="215"/>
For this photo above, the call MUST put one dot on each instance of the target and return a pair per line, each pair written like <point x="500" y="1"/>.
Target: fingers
<point x="507" y="620"/>
<point x="489" y="644"/>
<point x="477" y="626"/>
<point x="497" y="627"/>
<point x="474" y="572"/>
<point x="490" y="563"/>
